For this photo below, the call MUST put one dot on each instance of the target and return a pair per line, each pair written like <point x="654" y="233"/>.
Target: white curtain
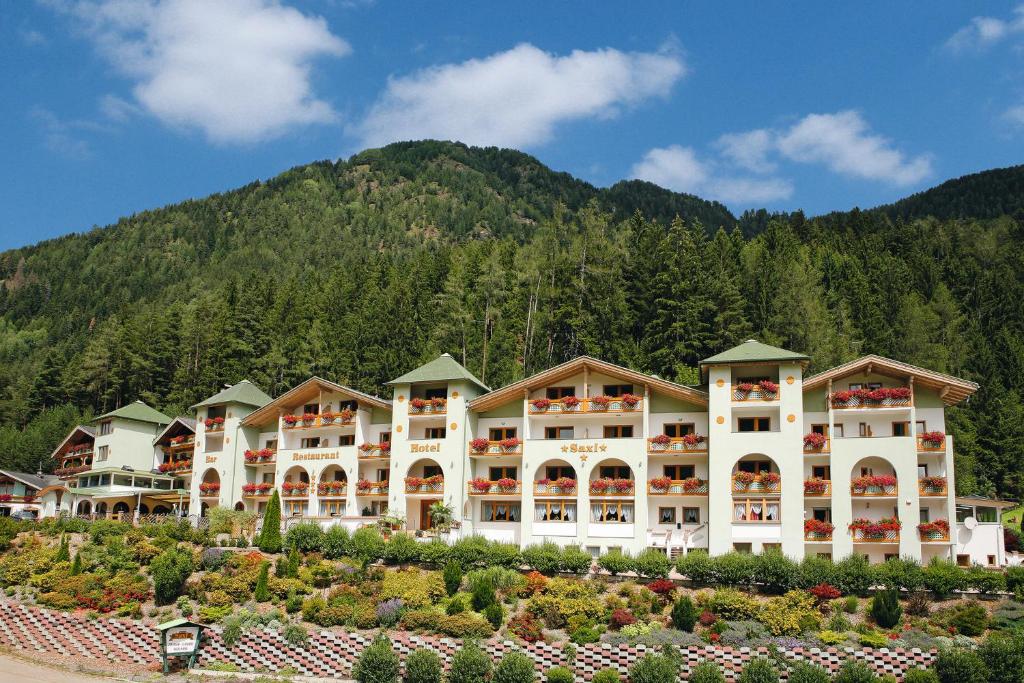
<point x="739" y="510"/>
<point x="513" y="513"/>
<point x="595" y="512"/>
<point x="540" y="512"/>
<point x="627" y="513"/>
<point x="570" y="512"/>
<point x="772" y="511"/>
<point x="755" y="511"/>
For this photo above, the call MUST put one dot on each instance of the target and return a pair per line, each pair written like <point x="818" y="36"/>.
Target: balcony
<point x="482" y="447"/>
<point x="885" y="530"/>
<point x="182" y="443"/>
<point x="209" y="490"/>
<point x="214" y="424"/>
<point x="500" y="487"/>
<point x="332" y="489"/>
<point x="748" y="482"/>
<point x="627" y="403"/>
<point x="816" y="443"/>
<point x="872" y="399"/>
<point x="264" y="456"/>
<point x="425" y="407"/>
<point x="345" y="418"/>
<point x="875" y="486"/>
<point x="934" y="532"/>
<point x="365" y="487"/>
<point x="818" y="531"/>
<point x="257" y="490"/>
<point x="931" y="486"/>
<point x="612" y="487"/>
<point x="72" y="470"/>
<point x="762" y="391"/>
<point x="691" y="443"/>
<point x="295" y="490"/>
<point x="558" y="487"/>
<point x="663" y="486"/>
<point x="177" y="468"/>
<point x="817" y="488"/>
<point x="429" y="485"/>
<point x="931" y="442"/>
<point x="375" y="451"/>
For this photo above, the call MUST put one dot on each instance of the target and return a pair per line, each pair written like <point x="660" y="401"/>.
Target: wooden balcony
<point x="817" y="488"/>
<point x="617" y="487"/>
<point x="607" y="404"/>
<point x="475" y="488"/>
<point x="264" y="456"/>
<point x="209" y="492"/>
<point x="825" y="448"/>
<point x="929" y="486"/>
<point x="888" y="537"/>
<point x="424" y="487"/>
<point x="758" y="487"/>
<point x="817" y="537"/>
<point x="678" y="445"/>
<point x="255" y="491"/>
<point x="551" y="489"/>
<point x="678" y="487"/>
<point x="375" y="488"/>
<point x="421" y="407"/>
<point x="874" y="491"/>
<point x="897" y="397"/>
<point x="326" y="490"/>
<point x="374" y="452"/>
<point x="320" y="421"/>
<point x="495" y="448"/>
<point x="755" y="393"/>
<point x="930" y="446"/>
<point x="934" y="536"/>
<point x="294" y="492"/>
<point x="187" y="444"/>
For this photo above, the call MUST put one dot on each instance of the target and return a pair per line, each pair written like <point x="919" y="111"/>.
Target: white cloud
<point x="748" y="150"/>
<point x="516" y="98"/>
<point x="1015" y="115"/>
<point x="845" y="144"/>
<point x="238" y="70"/>
<point x="62" y="137"/>
<point x="117" y="109"/>
<point x="982" y="32"/>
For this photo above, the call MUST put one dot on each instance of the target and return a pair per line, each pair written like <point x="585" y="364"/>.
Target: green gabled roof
<point x="137" y="411"/>
<point x="245" y="392"/>
<point x="444" y="368"/>
<point x="753" y="351"/>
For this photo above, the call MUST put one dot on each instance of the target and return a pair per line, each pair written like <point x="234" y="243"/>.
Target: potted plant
<point x="693" y="485"/>
<point x="816" y="528"/>
<point x="509" y="444"/>
<point x="692" y="440"/>
<point x="933" y="439"/>
<point x="565" y="484"/>
<point x="249" y="489"/>
<point x="660" y="442"/>
<point x="413" y="483"/>
<point x="214" y="423"/>
<point x="507" y="484"/>
<point x="933" y="484"/>
<point x="744" y="387"/>
<point x="290" y="420"/>
<point x="438" y="403"/>
<point x="541" y="404"/>
<point x="434" y="483"/>
<point x="769" y="388"/>
<point x="599" y="485"/>
<point x="542" y="485"/>
<point x="327" y="417"/>
<point x="308" y="419"/>
<point x="418" y="404"/>
<point x="385" y="446"/>
<point x="884" y="484"/>
<point x="600" y="402"/>
<point x="630" y="401"/>
<point x="815" y="486"/>
<point x="209" y="488"/>
<point x="660" y="484"/>
<point x="480" y="485"/>
<point x="569" y="402"/>
<point x="937" y="530"/>
<point x="841" y="397"/>
<point x="769" y="480"/>
<point x="363" y="485"/>
<point x="743" y="480"/>
<point x="622" y="485"/>
<point x="346" y="415"/>
<point x="814" y="441"/>
<point x="479" y="445"/>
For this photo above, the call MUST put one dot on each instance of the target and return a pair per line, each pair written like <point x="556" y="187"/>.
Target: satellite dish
<point x="971" y="523"/>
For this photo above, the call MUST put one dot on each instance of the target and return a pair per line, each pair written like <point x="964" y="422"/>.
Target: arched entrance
<point x="84" y="507"/>
<point x="121" y="509"/>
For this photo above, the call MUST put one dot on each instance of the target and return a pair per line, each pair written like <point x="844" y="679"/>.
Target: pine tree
<point x="63" y="552"/>
<point x="262" y="592"/>
<point x="270" y="536"/>
<point x="76" y="566"/>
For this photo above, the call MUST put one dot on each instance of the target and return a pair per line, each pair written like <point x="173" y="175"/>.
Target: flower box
<point x="540" y="404"/>
<point x="569" y="403"/>
<point x="770" y="388"/>
<point x="933" y="484"/>
<point x="290" y="420"/>
<point x="480" y="485"/>
<point x="660" y="442"/>
<point x="209" y="489"/>
<point x="933" y="439"/>
<point x="479" y="445"/>
<point x="817" y="529"/>
<point x="885" y="529"/>
<point x="660" y="484"/>
<point x="509" y="444"/>
<point x="214" y="423"/>
<point x="295" y="488"/>
<point x="630" y="401"/>
<point x="934" y="531"/>
<point x="507" y="484"/>
<point x="816" y="486"/>
<point x="308" y="419"/>
<point x="814" y="441"/>
<point x="425" y="485"/>
<point x="874" y="485"/>
<point x="853" y="398"/>
<point x="331" y="488"/>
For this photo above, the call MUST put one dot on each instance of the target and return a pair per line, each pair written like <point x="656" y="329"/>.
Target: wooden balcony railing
<point x="597" y="404"/>
<point x="817" y="536"/>
<point x="428" y="406"/>
<point x="931" y="486"/>
<point x="898" y="397"/>
<point x="756" y="392"/>
<point x="691" y="444"/>
<point x="612" y="487"/>
<point x="295" y="491"/>
<point x="817" y="488"/>
<point x="874" y="491"/>
<point x="331" y="489"/>
<point x="264" y="456"/>
<point x="859" y="536"/>
<point x="824" y="448"/>
<point x="333" y="420"/>
<point x="372" y="488"/>
<point x="552" y="488"/>
<point x="258" y="490"/>
<point x="209" y="490"/>
<point x="930" y="446"/>
<point x="677" y="487"/>
<point x="773" y="485"/>
<point x="496" y="448"/>
<point x="496" y="487"/>
<point x="189" y="442"/>
<point x="416" y="485"/>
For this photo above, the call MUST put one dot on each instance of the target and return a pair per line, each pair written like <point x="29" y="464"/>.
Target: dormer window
<point x="617" y="389"/>
<point x="313" y="408"/>
<point x="556" y="393"/>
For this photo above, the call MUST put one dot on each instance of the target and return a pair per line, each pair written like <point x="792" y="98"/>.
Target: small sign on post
<point x="180" y="638"/>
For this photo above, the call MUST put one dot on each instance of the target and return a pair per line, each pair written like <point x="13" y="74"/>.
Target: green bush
<point x="885" y="609"/>
<point x="377" y="663"/>
<point x="970" y="619"/>
<point x="400" y="549"/>
<point x="1015" y="579"/>
<point x="1003" y="654"/>
<point x="684" y="614"/>
<point x="731" y="604"/>
<point x="776" y="572"/>
<point x="306" y="537"/>
<point x="606" y="676"/>
<point x="851" y="604"/>
<point x="514" y="667"/>
<point x="960" y="666"/>
<point x="262" y="591"/>
<point x="423" y="665"/>
<point x="853" y="671"/>
<point x="270" y="536"/>
<point x="899" y="574"/>
<point x="337" y="542"/>
<point x="170" y="570"/>
<point x="697" y="566"/>
<point x="560" y="674"/>
<point x="653" y="668"/>
<point x="576" y="560"/>
<point x="452" y="577"/>
<point x="495" y="615"/>
<point x="470" y="665"/>
<point x="484" y="595"/>
<point x="435" y="553"/>
<point x="706" y="672"/>
<point x="802" y="672"/>
<point x="545" y="557"/>
<point x="916" y="675"/>
<point x="759" y="670"/>
<point x="367" y="545"/>
<point x="985" y="581"/>
<point x="853" y="575"/>
<point x="616" y="562"/>
<point x="814" y="571"/>
<point x="943" y="578"/>
<point x="504" y="555"/>
<point x="652" y="563"/>
<point x="733" y="569"/>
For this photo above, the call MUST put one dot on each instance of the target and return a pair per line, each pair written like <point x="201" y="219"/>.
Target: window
<point x="856" y="387"/>
<point x="434" y="433"/>
<point x="105" y="428"/>
<point x="986" y="514"/>
<point x="755" y="510"/>
<point x="891" y="556"/>
<point x="744" y="548"/>
<point x="102" y="453"/>
<point x="332" y="508"/>
<point x="874" y="385"/>
<point x="496" y="473"/>
<point x="825" y="556"/>
<point x="295" y="508"/>
<point x="920" y="427"/>
<point x="555" y="511"/>
<point x="311" y="408"/>
<point x="614" y="472"/>
<point x="375" y="508"/>
<point x="432" y="471"/>
<point x="963" y="512"/>
<point x="679" y="472"/>
<point x="555" y="393"/>
<point x="621" y="513"/>
<point x="385" y="437"/>
<point x="558" y="471"/>
<point x="963" y="560"/>
<point x="666" y="515"/>
<point x="382" y="475"/>
<point x="347" y="440"/>
<point x="822" y="514"/>
<point x="754" y="424"/>
<point x="754" y="466"/>
<point x="821" y="472"/>
<point x="863" y="429"/>
<point x="436" y="392"/>
<point x="678" y="430"/>
<point x="819" y="429"/>
<point x="499" y="512"/>
<point x="991" y="559"/>
<point x="499" y="433"/>
<point x="349" y="405"/>
<point x="925" y="516"/>
<point x="310" y="442"/>
<point x="766" y="547"/>
<point x="837" y="429"/>
<point x="901" y="429"/>
<point x="617" y="389"/>
<point x="922" y="470"/>
<point x="215" y="443"/>
<point x="271" y="444"/>
<point x="558" y="432"/>
<point x="691" y="515"/>
<point x="618" y="431"/>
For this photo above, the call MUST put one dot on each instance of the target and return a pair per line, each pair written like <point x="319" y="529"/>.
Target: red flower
<point x="933" y="438"/>
<point x="509" y="443"/>
<point x="745" y="387"/>
<point x="600" y="401"/>
<point x="661" y="483"/>
<point x="692" y="439"/>
<point x="480" y="485"/>
<point x="479" y="445"/>
<point x="418" y="404"/>
<point x="662" y="439"/>
<point x="824" y="592"/>
<point x="541" y="403"/>
<point x="630" y="400"/>
<point x="569" y="401"/>
<point x="815" y="485"/>
<point x="814" y="440"/>
<point x="621" y="617"/>
<point x="662" y="587"/>
<point x="769" y="387"/>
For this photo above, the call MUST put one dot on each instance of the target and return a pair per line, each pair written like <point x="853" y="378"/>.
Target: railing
<point x="214" y="426"/>
<point x="264" y="456"/>
<point x="817" y="536"/>
<point x="189" y="442"/>
<point x="677" y="487"/>
<point x="494" y="487"/>
<point x="78" y="453"/>
<point x="65" y="472"/>
<point x="756" y="486"/>
<point x="930" y="446"/>
<point x="860" y="536"/>
<point x="257" y="491"/>
<point x="428" y="406"/>
<point x="424" y="487"/>
<point x="824" y="448"/>
<point x="330" y="490"/>
<point x="617" y="487"/>
<point x="899" y="397"/>
<point x="755" y="393"/>
<point x="337" y="420"/>
<point x="553" y="489"/>
<point x="817" y="488"/>
<point x="934" y="532"/>
<point x="207" y="491"/>
<point x="376" y="488"/>
<point x="495" y="448"/>
<point x="608" y="404"/>
<point x="375" y="451"/>
<point x="693" y="444"/>
<point x="176" y="467"/>
<point x="295" y="492"/>
<point x="874" y="490"/>
<point x="931" y="486"/>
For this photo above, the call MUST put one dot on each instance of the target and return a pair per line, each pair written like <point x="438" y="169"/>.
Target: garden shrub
<point x="790" y="615"/>
<point x="452" y="577"/>
<point x="727" y="603"/>
<point x="400" y="549"/>
<point x="585" y="634"/>
<point x="697" y="566"/>
<point x="484" y="595"/>
<point x="852" y="671"/>
<point x="872" y="638"/>
<point x="684" y="614"/>
<point x="985" y="581"/>
<point x="803" y="672"/>
<point x="502" y="579"/>
<point x="814" y="571"/>
<point x="470" y="665"/>
<point x="576" y="560"/>
<point x="1015" y="579"/>
<point x="210" y="614"/>
<point x="741" y="633"/>
<point x="955" y="665"/>
<point x="471" y="551"/>
<point x="1003" y="654"/>
<point x="214" y="559"/>
<point x="514" y="667"/>
<point x="505" y="555"/>
<point x="367" y="545"/>
<point x="652" y="563"/>
<point x="545" y="558"/>
<point x="615" y="562"/>
<point x="458" y="603"/>
<point x="560" y="674"/>
<point x="270" y="536"/>
<point x="851" y="604"/>
<point x="170" y="571"/>
<point x="423" y="665"/>
<point x="336" y="543"/>
<point x="653" y="668"/>
<point x="606" y="676"/>
<point x="916" y="675"/>
<point x="942" y="578"/>
<point x="306" y="537"/>
<point x="620" y="618"/>
<point x="435" y="553"/>
<point x="885" y="608"/>
<point x="830" y="637"/>
<point x="919" y="604"/>
<point x="526" y="628"/>
<point x="262" y="591"/>
<point x="389" y="612"/>
<point x="416" y="588"/>
<point x="465" y="625"/>
<point x="495" y="615"/>
<point x="377" y="663"/>
<point x="733" y="569"/>
<point x="970" y="619"/>
<point x="1008" y="616"/>
<point x="563" y="600"/>
<point x="295" y="634"/>
<point x="853" y="575"/>
<point x="759" y="670"/>
<point x="899" y="573"/>
<point x="706" y="672"/>
<point x="775" y="572"/>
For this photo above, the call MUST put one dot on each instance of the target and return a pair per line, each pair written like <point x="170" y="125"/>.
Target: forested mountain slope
<point x="989" y="194"/>
<point x="359" y="270"/>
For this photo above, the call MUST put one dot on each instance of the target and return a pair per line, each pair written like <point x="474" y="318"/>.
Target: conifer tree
<point x="270" y="536"/>
<point x="63" y="552"/>
<point x="262" y="591"/>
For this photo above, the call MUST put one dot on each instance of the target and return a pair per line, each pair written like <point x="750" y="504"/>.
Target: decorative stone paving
<point x="331" y="654"/>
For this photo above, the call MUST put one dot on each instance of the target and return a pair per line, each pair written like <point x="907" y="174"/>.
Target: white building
<point x="851" y="460"/>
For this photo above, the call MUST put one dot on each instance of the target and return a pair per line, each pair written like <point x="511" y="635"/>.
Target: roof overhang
<point x="988" y="502"/>
<point x="952" y="390"/>
<point x="79" y="429"/>
<point x="179" y="422"/>
<point x="542" y="379"/>
<point x="314" y="387"/>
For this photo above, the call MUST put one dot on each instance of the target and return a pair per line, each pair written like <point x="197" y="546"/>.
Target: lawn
<point x="1013" y="517"/>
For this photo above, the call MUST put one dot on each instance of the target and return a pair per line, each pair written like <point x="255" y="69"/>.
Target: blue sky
<point x="115" y="106"/>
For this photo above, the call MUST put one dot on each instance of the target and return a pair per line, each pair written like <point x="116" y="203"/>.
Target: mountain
<point x="989" y="194"/>
<point x="360" y="269"/>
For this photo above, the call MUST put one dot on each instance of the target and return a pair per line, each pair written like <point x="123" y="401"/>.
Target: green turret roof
<point x="753" y="351"/>
<point x="444" y="368"/>
<point x="137" y="411"/>
<point x="245" y="392"/>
